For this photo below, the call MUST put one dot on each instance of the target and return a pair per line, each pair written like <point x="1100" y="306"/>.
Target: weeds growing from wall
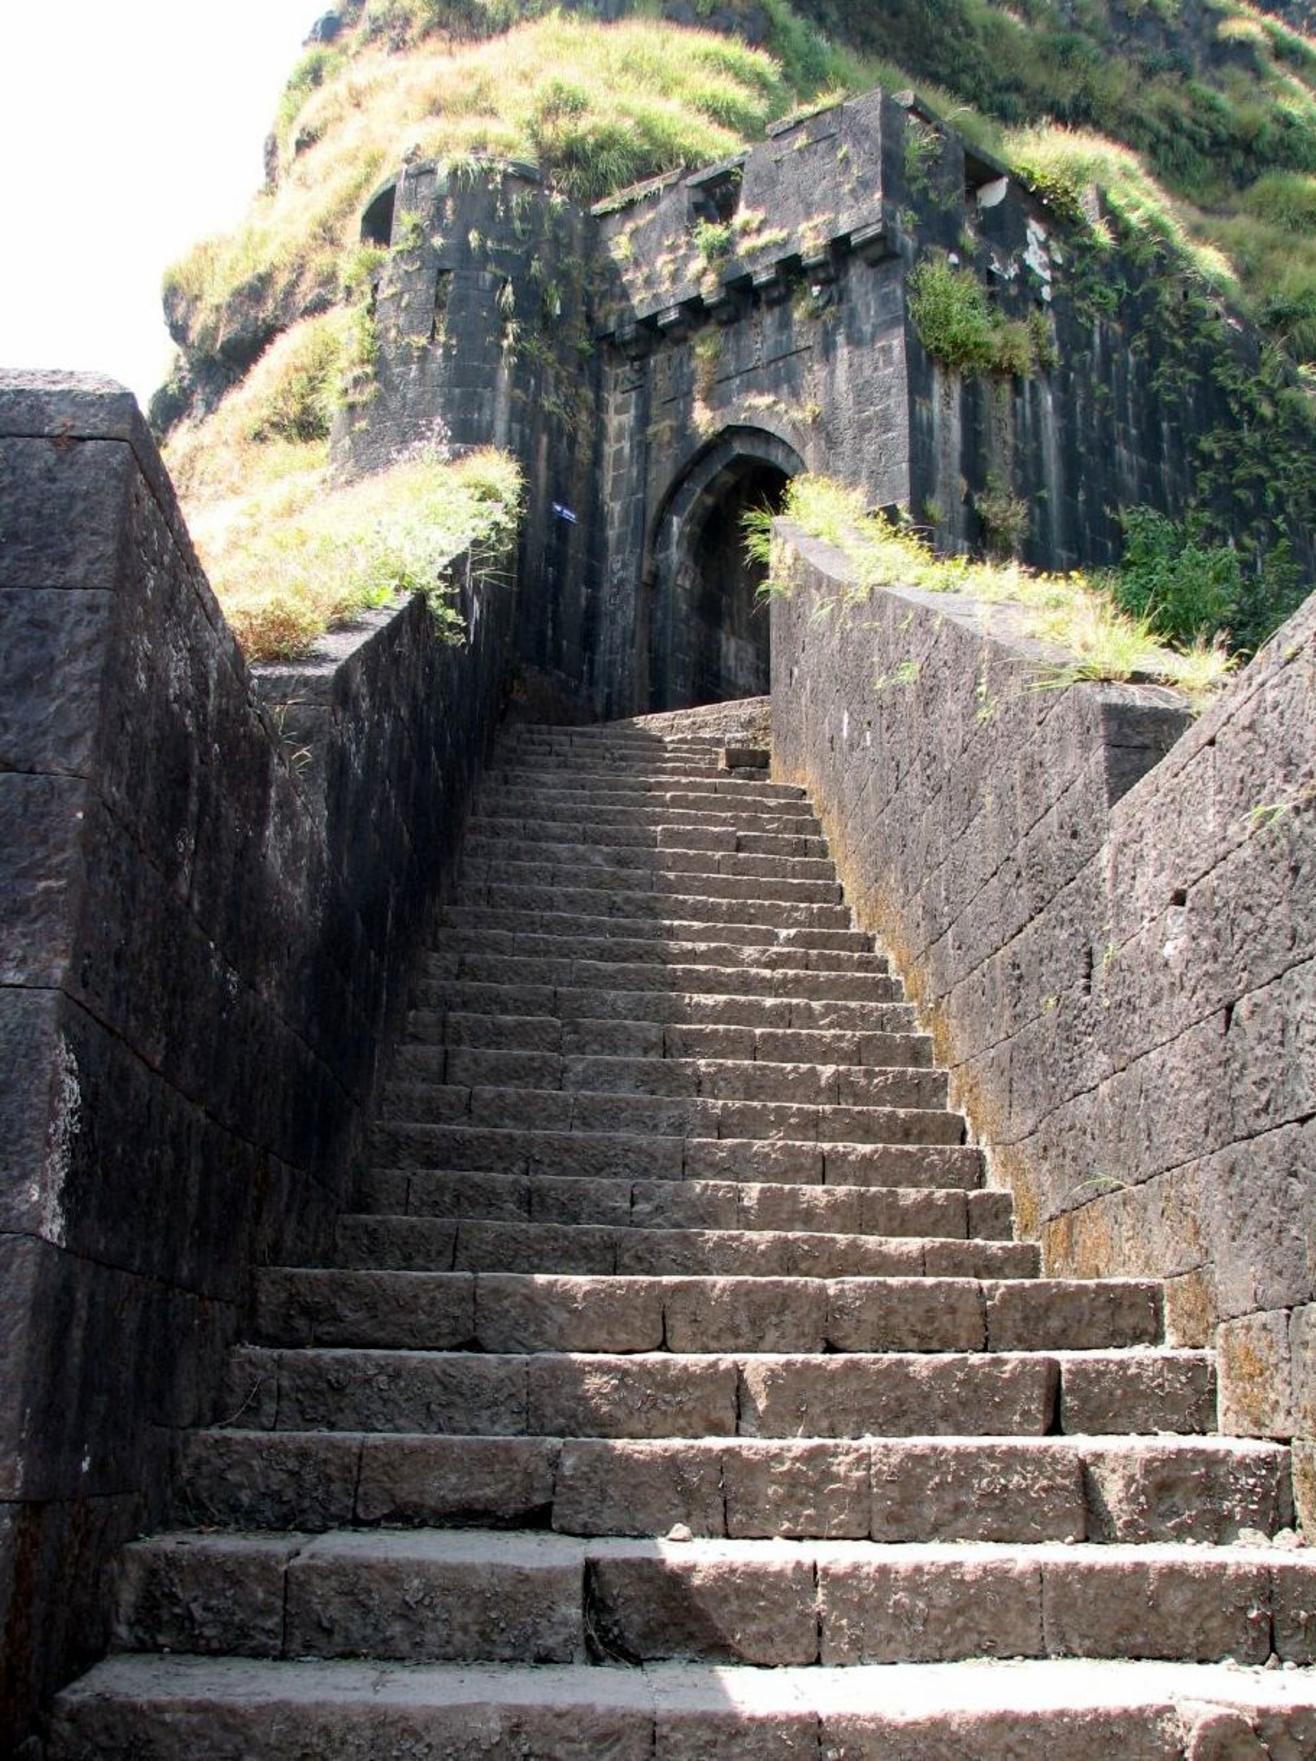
<point x="1075" y="613"/>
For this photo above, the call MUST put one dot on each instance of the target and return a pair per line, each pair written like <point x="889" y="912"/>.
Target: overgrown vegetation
<point x="289" y="555"/>
<point x="596" y="107"/>
<point x="958" y="327"/>
<point x="1077" y="613"/>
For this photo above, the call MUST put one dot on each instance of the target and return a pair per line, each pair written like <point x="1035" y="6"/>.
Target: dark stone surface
<point x="202" y="962"/>
<point x="648" y="397"/>
<point x="1110" y="930"/>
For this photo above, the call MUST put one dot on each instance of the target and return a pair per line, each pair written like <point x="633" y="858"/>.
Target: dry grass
<point x="1072" y="612"/>
<point x="595" y="106"/>
<point x="289" y="555"/>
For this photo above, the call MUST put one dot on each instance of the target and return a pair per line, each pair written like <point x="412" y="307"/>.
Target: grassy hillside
<point x="1199" y="119"/>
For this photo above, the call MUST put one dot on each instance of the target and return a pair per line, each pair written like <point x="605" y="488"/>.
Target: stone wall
<point x="659" y="360"/>
<point x="1107" y="914"/>
<point x="479" y="317"/>
<point x="205" y="931"/>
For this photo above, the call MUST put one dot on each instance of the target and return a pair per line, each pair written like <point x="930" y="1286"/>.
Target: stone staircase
<point x="679" y="1391"/>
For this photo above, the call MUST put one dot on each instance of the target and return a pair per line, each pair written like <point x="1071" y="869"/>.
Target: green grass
<point x="960" y="329"/>
<point x="1076" y="613"/>
<point x="291" y="555"/>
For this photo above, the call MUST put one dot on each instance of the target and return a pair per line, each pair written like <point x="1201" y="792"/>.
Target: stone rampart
<point x="208" y="909"/>
<point x="1107" y="914"/>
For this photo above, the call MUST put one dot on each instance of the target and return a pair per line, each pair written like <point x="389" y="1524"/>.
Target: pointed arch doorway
<point x="705" y="635"/>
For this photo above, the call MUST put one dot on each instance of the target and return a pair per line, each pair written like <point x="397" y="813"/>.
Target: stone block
<point x="1293" y="1607"/>
<point x="976" y="1491"/>
<point x="41" y="875"/>
<point x="221" y="1595"/>
<point x="41" y="481"/>
<point x="894" y="1395"/>
<point x="437" y="1480"/>
<point x="928" y="1606"/>
<point x="659" y="1396"/>
<point x="1102" y="1393"/>
<point x="579" y="1314"/>
<point x="618" y="1487"/>
<point x="349" y="1390"/>
<point x="265" y="1480"/>
<point x="745" y="1314"/>
<point x="52" y="654"/>
<point x="804" y="1490"/>
<point x="1125" y="1603"/>
<point x="1050" y="1314"/>
<point x="436" y="1597"/>
<point x="699" y="1600"/>
<point x="905" y="1314"/>
<point x="1152" y="1490"/>
<point x="414" y="1310"/>
<point x="1256" y="1376"/>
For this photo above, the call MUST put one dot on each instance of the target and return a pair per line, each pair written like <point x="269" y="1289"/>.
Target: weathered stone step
<point x="734" y="902"/>
<point x="426" y="1244"/>
<point x="636" y="1003"/>
<point x="691" y="1204"/>
<point x="661" y="883"/>
<point x="482" y="1595"/>
<point x="408" y="1143"/>
<point x="460" y="947"/>
<point x="629" y="861"/>
<point x="514" y="1313"/>
<point x="518" y="973"/>
<point x="723" y="839"/>
<point x="1099" y="1489"/>
<point x="598" y="783"/>
<point x="174" y="1708"/>
<point x="561" y="926"/>
<point x="669" y="812"/>
<point x="739" y="1079"/>
<point x="425" y="1062"/>
<point x="607" y="1155"/>
<point x="661" y="1394"/>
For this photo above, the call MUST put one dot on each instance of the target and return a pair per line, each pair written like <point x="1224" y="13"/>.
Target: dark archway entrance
<point x="708" y="629"/>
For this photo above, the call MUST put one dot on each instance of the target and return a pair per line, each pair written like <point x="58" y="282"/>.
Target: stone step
<point x="670" y="813"/>
<point x="1098" y="1489"/>
<point x="739" y="1079"/>
<point x="680" y="838"/>
<point x="516" y="1313"/>
<point x="704" y="761"/>
<point x="488" y="1596"/>
<point x="176" y="1708"/>
<point x="734" y="902"/>
<point x="595" y="782"/>
<point x="426" y="1061"/>
<point x="405" y="1142"/>
<point x="691" y="1204"/>
<point x="425" y="1244"/>
<point x="661" y="1394"/>
<point x="754" y="938"/>
<point x="520" y="973"/>
<point x="632" y="860"/>
<point x="629" y="883"/>
<point x="609" y="1155"/>
<point x="460" y="948"/>
<point x="636" y="1003"/>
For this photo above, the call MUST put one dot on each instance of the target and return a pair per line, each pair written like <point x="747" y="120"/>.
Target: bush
<point x="1189" y="590"/>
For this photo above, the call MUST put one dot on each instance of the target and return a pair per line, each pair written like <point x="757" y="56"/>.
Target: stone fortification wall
<point x="204" y="934"/>
<point x="479" y="326"/>
<point x="1107" y="914"/>
<point x="660" y="362"/>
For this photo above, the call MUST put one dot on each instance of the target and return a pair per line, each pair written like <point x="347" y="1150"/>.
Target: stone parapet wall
<point x="1107" y="914"/>
<point x="207" y="913"/>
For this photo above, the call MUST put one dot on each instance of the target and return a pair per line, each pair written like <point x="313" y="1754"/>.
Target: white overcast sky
<point x="128" y="129"/>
